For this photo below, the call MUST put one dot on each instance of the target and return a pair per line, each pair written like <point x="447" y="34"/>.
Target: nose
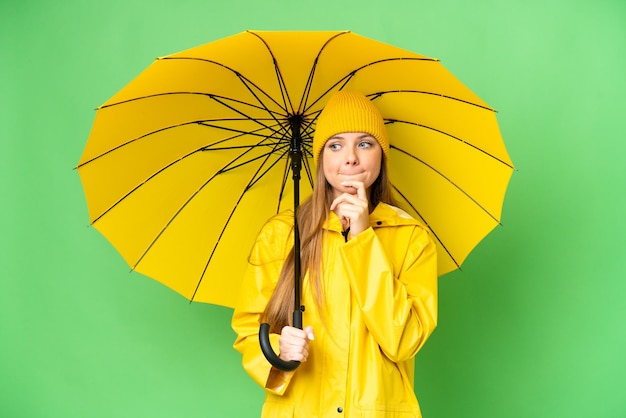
<point x="351" y="157"/>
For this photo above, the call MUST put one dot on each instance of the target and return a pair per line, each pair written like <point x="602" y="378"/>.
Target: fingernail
<point x="311" y="336"/>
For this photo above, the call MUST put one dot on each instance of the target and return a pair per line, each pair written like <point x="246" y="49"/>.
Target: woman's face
<point x="351" y="156"/>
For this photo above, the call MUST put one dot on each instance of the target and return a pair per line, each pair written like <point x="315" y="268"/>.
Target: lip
<point x="352" y="174"/>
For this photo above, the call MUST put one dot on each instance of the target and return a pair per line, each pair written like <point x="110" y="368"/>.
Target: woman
<point x="369" y="283"/>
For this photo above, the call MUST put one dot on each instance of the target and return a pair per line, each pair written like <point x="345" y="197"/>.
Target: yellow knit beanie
<point x="349" y="112"/>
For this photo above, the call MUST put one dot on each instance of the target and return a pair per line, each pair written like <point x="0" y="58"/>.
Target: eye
<point x="365" y="144"/>
<point x="333" y="146"/>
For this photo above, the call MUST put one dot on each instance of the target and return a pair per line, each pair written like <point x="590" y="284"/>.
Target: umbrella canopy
<point x="185" y="163"/>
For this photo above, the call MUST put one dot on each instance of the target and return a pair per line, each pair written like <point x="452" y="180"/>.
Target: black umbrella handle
<point x="268" y="351"/>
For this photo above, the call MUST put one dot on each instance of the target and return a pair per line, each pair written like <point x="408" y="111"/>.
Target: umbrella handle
<point x="268" y="351"/>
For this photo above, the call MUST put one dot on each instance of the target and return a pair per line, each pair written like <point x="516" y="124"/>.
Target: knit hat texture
<point x="349" y="112"/>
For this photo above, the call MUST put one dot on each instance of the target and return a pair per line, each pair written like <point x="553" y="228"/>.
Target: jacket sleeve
<point x="264" y="266"/>
<point x="400" y="312"/>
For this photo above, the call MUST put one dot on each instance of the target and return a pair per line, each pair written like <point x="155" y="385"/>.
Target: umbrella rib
<point x="447" y="179"/>
<point x="343" y="80"/>
<point x="174" y="93"/>
<point x="309" y="83"/>
<point x="307" y="145"/>
<point x="391" y="121"/>
<point x="241" y="77"/>
<point x="381" y="93"/>
<point x="195" y="122"/>
<point x="230" y="168"/>
<point x="111" y="150"/>
<point x="255" y="177"/>
<point x="258" y="177"/>
<point x="264" y="106"/>
<point x="193" y="195"/>
<point x="205" y="148"/>
<point x="220" y="99"/>
<point x="283" y="153"/>
<point x="283" y="185"/>
<point x="213" y="97"/>
<point x="203" y="122"/>
<point x="246" y="81"/>
<point x="255" y="132"/>
<point x="346" y="78"/>
<point x="308" y="171"/>
<point x="408" y="202"/>
<point x="287" y="104"/>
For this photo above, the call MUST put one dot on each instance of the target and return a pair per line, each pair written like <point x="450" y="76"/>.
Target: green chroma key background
<point x="534" y="324"/>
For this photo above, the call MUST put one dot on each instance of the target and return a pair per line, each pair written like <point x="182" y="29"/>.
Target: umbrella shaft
<point x="295" y="153"/>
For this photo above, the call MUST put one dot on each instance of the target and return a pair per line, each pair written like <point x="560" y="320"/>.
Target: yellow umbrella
<point x="186" y="162"/>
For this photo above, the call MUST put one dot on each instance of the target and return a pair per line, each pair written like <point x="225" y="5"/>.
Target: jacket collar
<point x="382" y="215"/>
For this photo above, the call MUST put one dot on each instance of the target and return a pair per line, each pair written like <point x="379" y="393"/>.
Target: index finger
<point x="293" y="332"/>
<point x="360" y="188"/>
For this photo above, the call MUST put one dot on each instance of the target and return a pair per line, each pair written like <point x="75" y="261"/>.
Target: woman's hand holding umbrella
<point x="294" y="343"/>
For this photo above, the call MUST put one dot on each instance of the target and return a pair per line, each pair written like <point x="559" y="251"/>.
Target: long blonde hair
<point x="312" y="214"/>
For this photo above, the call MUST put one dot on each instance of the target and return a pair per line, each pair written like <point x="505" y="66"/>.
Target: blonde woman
<point x="369" y="283"/>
